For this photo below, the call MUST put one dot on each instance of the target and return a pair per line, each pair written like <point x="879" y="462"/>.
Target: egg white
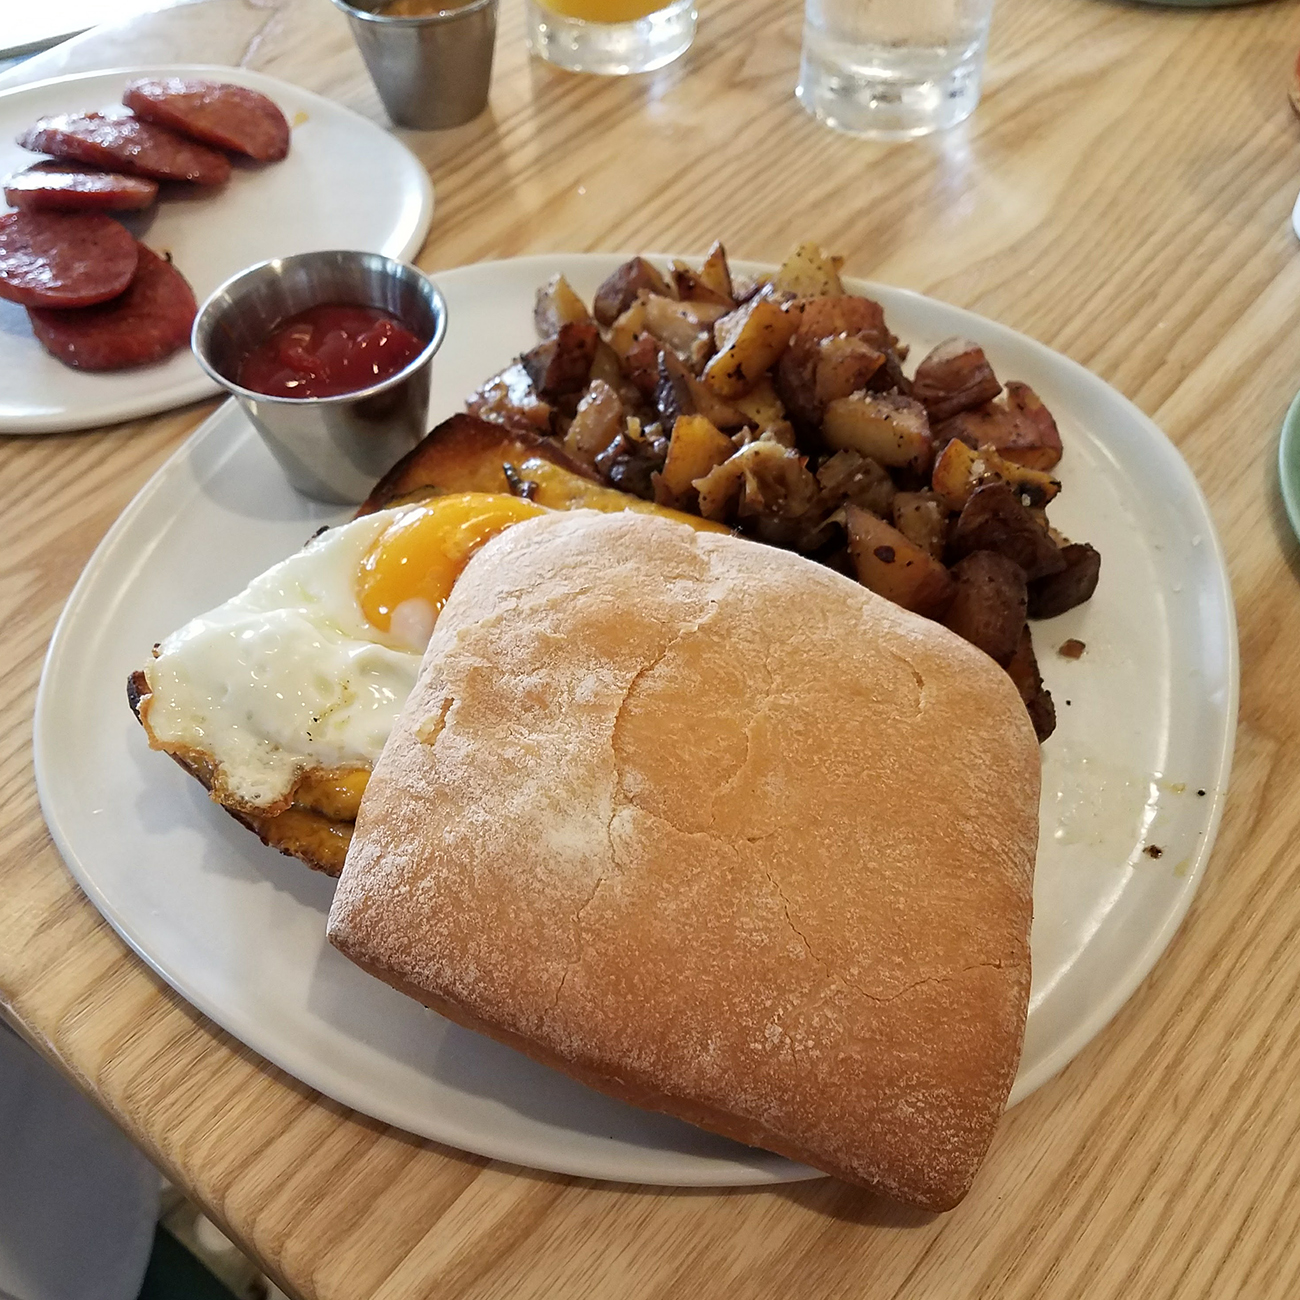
<point x="285" y="677"/>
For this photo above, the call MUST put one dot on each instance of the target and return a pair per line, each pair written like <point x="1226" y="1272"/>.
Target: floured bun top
<point x="717" y="831"/>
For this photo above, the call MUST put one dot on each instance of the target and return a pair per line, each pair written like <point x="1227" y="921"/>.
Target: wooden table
<point x="1122" y="194"/>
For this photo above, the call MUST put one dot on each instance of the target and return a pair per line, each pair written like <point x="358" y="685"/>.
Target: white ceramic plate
<point x="1147" y="717"/>
<point x="345" y="184"/>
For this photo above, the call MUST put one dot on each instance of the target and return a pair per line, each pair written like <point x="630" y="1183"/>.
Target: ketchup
<point x="328" y="350"/>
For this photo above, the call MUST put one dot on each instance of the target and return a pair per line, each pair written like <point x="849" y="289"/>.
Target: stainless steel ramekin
<point x="330" y="448"/>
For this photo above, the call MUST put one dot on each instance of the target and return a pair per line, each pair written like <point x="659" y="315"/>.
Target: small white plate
<point x="345" y="184"/>
<point x="1140" y="759"/>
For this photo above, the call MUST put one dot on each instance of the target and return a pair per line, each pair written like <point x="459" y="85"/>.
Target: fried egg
<point x="306" y="669"/>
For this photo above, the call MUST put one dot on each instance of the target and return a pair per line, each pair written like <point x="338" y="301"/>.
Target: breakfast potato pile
<point x="780" y="407"/>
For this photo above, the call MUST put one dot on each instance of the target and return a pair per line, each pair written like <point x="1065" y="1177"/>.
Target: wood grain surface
<point x="1122" y="194"/>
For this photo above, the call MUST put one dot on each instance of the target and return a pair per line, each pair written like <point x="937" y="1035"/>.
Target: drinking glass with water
<point x="892" y="68"/>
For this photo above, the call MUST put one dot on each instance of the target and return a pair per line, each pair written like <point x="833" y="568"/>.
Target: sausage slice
<point x="124" y="143"/>
<point x="54" y="259"/>
<point x="216" y="112"/>
<point x="150" y="321"/>
<point x="75" y="187"/>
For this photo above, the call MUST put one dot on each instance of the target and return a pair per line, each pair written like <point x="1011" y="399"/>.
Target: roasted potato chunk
<point x="764" y="482"/>
<point x="823" y="318"/>
<point x="686" y="327"/>
<point x="599" y="420"/>
<point x="850" y="477"/>
<point x="845" y="365"/>
<point x="809" y="273"/>
<point x="1023" y="670"/>
<point x="690" y="287"/>
<point x="715" y="274"/>
<point x="1020" y="428"/>
<point x="989" y="603"/>
<point x="749" y="340"/>
<point x="696" y="446"/>
<point x="620" y="291"/>
<point x="760" y="406"/>
<point x="955" y="376"/>
<point x="562" y="364"/>
<point x="960" y="469"/>
<point x="894" y="568"/>
<point x="923" y="519"/>
<point x="511" y="399"/>
<point x="557" y="304"/>
<point x="1074" y="584"/>
<point x="886" y="427"/>
<point x="995" y="520"/>
<point x="680" y="393"/>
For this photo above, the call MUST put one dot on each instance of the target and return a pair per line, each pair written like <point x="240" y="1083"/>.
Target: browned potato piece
<point x="989" y="603"/>
<point x="598" y="422"/>
<point x="1030" y="436"/>
<point x="1058" y="592"/>
<point x="809" y="273"/>
<point x="1023" y="670"/>
<point x="893" y="567"/>
<point x="563" y="364"/>
<point x="690" y="287"/>
<point x="822" y="318"/>
<point x="761" y="406"/>
<point x="715" y="274"/>
<point x="696" y="446"/>
<point x="923" y="519"/>
<point x="768" y="484"/>
<point x="749" y="340"/>
<point x="510" y="399"/>
<point x="884" y="426"/>
<point x="995" y="520"/>
<point x="629" y="326"/>
<point x="960" y="469"/>
<point x="680" y="393"/>
<point x="620" y="291"/>
<point x="845" y="365"/>
<point x="641" y="364"/>
<point x="848" y="476"/>
<point x="686" y="327"/>
<point x="557" y="304"/>
<point x="955" y="376"/>
<point x="1020" y="428"/>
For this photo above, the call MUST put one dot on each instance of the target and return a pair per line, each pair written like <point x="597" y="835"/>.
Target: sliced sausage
<point x="150" y="321"/>
<point x="56" y="259"/>
<point x="215" y="112"/>
<point x="75" y="187"/>
<point x="124" y="143"/>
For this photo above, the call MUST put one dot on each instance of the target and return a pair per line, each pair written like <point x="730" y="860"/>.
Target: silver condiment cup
<point x="330" y="448"/>
<point x="431" y="70"/>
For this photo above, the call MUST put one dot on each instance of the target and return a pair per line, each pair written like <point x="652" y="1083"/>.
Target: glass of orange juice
<point x="611" y="37"/>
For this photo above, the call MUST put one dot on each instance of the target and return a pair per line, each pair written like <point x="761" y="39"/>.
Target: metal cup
<point x="330" y="448"/>
<point x="431" y="70"/>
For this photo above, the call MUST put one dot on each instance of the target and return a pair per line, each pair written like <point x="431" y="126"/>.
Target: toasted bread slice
<point x="463" y="454"/>
<point x="316" y="827"/>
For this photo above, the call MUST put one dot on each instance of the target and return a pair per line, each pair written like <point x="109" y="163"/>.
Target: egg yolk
<point x="419" y="556"/>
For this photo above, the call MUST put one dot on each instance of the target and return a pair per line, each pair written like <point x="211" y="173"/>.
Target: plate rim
<point x="1054" y="1061"/>
<point x="201" y="386"/>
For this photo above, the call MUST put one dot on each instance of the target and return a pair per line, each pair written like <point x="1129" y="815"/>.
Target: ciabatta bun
<point x="719" y="832"/>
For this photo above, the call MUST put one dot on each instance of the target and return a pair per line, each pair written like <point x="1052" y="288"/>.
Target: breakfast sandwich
<point x="280" y="700"/>
<point x="717" y="831"/>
